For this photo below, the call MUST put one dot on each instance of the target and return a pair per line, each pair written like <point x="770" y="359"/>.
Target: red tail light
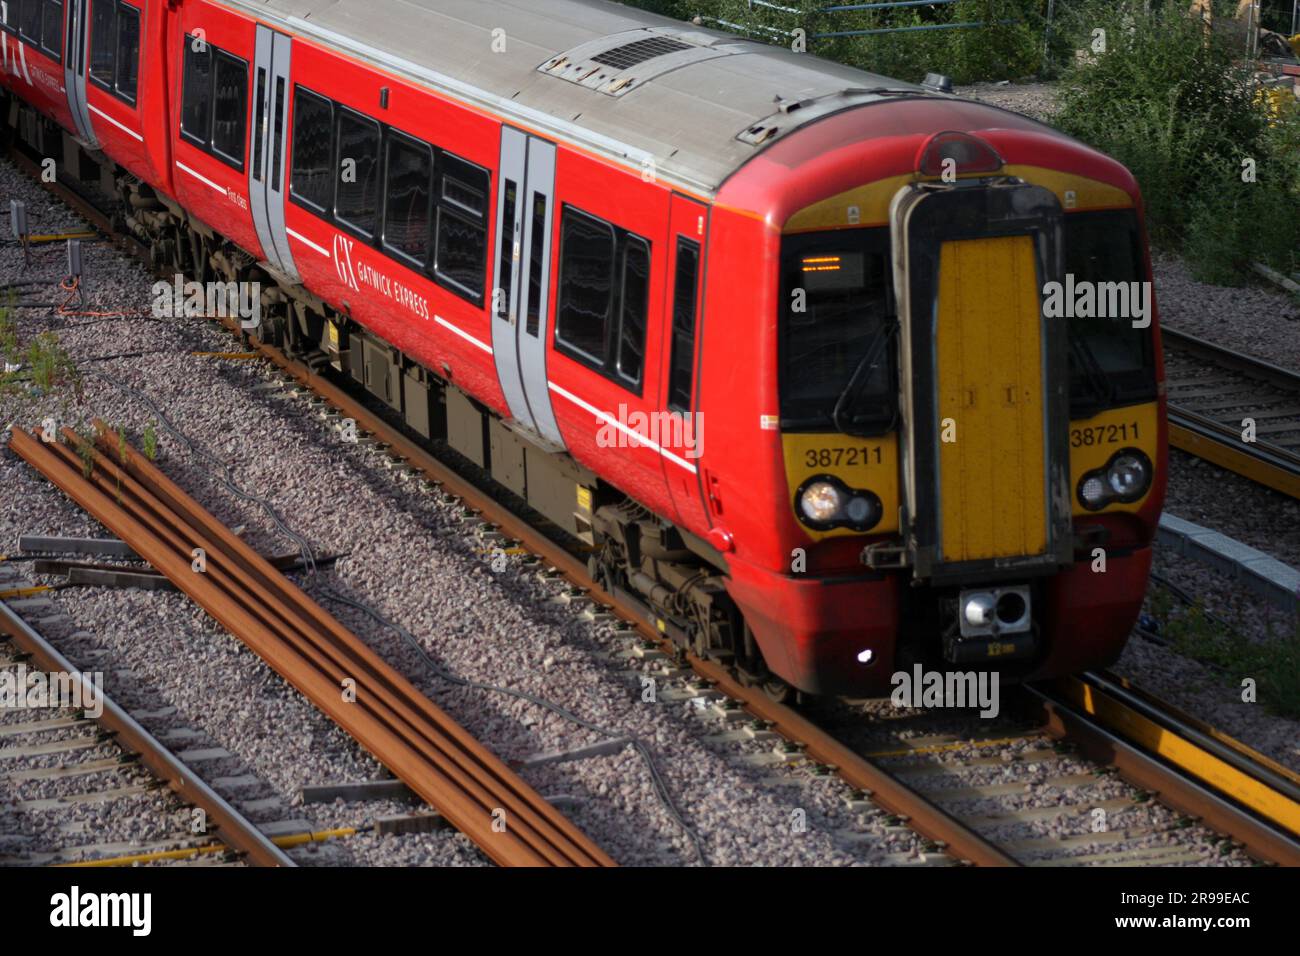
<point x="969" y="154"/>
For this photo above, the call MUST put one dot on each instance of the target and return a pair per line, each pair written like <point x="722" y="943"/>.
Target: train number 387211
<point x="1103" y="435"/>
<point x="835" y="457"/>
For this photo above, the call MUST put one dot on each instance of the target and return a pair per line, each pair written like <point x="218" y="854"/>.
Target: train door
<point x="74" y="69"/>
<point x="521" y="290"/>
<point x="683" y="439"/>
<point x="267" y="172"/>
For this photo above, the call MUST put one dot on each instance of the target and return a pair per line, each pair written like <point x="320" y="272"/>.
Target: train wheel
<point x="777" y="690"/>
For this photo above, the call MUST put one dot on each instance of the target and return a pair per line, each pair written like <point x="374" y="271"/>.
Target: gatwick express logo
<point x="355" y="272"/>
<point x="343" y="262"/>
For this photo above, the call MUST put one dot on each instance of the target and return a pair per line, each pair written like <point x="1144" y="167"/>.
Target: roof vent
<point x="622" y="62"/>
<point x="638" y="51"/>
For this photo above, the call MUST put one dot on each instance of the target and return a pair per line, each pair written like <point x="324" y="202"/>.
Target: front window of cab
<point x="1111" y="362"/>
<point x="838" y="350"/>
<point x="836" y="343"/>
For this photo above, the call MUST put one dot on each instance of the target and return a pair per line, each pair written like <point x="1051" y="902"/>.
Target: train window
<point x="460" y="253"/>
<point x="128" y="52"/>
<point x="196" y="92"/>
<point x="408" y="197"/>
<point x="506" y="242"/>
<point x="115" y="48"/>
<point x="277" y="132"/>
<point x="1111" y="363"/>
<point x="29" y="21"/>
<point x="357" y="172"/>
<point x="536" y="257"/>
<point x="229" y="108"/>
<point x="586" y="287"/>
<point x="52" y="30"/>
<point x="836" y="313"/>
<point x="259" y="123"/>
<point x="685" y="305"/>
<point x="103" y="42"/>
<point x="601" y="317"/>
<point x="312" y="179"/>
<point x="8" y="19"/>
<point x="635" y="300"/>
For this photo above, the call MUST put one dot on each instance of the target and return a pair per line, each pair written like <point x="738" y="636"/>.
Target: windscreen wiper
<point x="1102" y="388"/>
<point x="875" y="350"/>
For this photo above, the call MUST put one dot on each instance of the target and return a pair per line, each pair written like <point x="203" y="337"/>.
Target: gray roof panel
<point x="683" y="111"/>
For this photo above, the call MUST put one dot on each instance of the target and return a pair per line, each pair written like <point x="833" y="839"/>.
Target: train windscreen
<point x="1111" y="360"/>
<point x="836" y="348"/>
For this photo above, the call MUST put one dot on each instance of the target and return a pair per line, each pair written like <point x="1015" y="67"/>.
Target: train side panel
<point x="213" y="188"/>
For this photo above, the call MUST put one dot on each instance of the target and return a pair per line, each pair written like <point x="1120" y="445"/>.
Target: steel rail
<point x="1263" y="462"/>
<point x="401" y="705"/>
<point x="472" y="788"/>
<point x="1158" y="753"/>
<point x="230" y="826"/>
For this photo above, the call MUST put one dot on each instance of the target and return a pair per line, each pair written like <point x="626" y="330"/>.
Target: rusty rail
<point x="436" y="757"/>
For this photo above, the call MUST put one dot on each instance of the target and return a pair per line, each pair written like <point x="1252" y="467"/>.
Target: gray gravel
<point x="1016" y="786"/>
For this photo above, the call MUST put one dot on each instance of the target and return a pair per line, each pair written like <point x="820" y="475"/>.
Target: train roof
<point x="642" y="88"/>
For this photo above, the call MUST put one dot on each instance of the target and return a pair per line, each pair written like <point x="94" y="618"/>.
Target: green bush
<point x="998" y="50"/>
<point x="1173" y="103"/>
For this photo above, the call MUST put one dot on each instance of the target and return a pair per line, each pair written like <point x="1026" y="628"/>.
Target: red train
<point x="769" y="333"/>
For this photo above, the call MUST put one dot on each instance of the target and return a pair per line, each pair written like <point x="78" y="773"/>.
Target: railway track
<point x="1212" y="389"/>
<point x="310" y="649"/>
<point x="1058" y="718"/>
<point x="116" y="730"/>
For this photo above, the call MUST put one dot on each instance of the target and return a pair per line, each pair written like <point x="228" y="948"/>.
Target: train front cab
<point x="970" y="482"/>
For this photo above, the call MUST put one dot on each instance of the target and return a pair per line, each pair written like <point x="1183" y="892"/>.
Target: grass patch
<point x="1274" y="664"/>
<point x="41" y="365"/>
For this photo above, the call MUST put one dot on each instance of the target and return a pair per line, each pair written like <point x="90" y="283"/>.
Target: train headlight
<point x="862" y="511"/>
<point x="1093" y="492"/>
<point x="1125" y="478"/>
<point x="1129" y="475"/>
<point x="824" y="502"/>
<point x="821" y="502"/>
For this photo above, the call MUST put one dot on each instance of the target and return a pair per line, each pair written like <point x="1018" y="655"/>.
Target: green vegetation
<point x="1175" y="104"/>
<point x="150" y="442"/>
<point x="41" y="365"/>
<point x="1274" y="665"/>
<point x="1009" y="45"/>
<point x="1141" y="80"/>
